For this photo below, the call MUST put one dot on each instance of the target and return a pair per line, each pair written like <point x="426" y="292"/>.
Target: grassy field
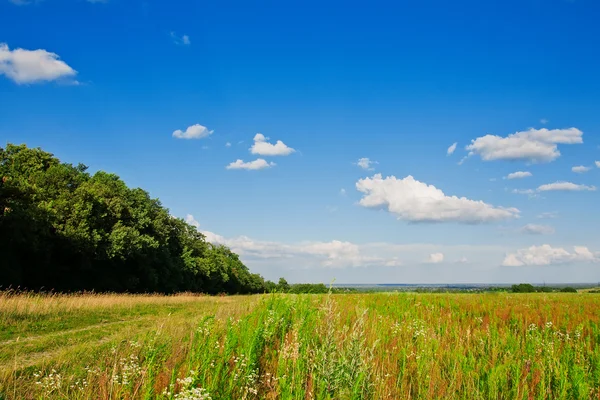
<point x="352" y="346"/>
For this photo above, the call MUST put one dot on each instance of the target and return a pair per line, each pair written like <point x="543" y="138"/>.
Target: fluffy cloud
<point x="565" y="186"/>
<point x="31" y="66"/>
<point x="435" y="258"/>
<point x="534" y="145"/>
<point x="196" y="131"/>
<point x="598" y="164"/>
<point x="452" y="149"/>
<point x="548" y="255"/>
<point x="415" y="201"/>
<point x="519" y="175"/>
<point x="534" y="229"/>
<point x="228" y="144"/>
<point x="365" y="163"/>
<point x="544" y="121"/>
<point x="250" y="165"/>
<point x="580" y="169"/>
<point x="343" y="192"/>
<point x="264" y="148"/>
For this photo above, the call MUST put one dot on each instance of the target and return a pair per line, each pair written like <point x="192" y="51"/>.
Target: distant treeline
<point x="528" y="288"/>
<point x="307" y="288"/>
<point x="64" y="229"/>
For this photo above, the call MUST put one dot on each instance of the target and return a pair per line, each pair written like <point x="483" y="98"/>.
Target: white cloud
<point x="556" y="186"/>
<point x="534" y="229"/>
<point x="227" y="144"/>
<point x="196" y="131"/>
<point x="548" y="255"/>
<point x="534" y="145"/>
<point x="340" y="254"/>
<point x="452" y="149"/>
<point x="544" y="121"/>
<point x="580" y="169"/>
<point x="343" y="192"/>
<point x="335" y="253"/>
<point x="378" y="260"/>
<point x="264" y="148"/>
<point x="565" y="186"/>
<point x="347" y="262"/>
<point x="250" y="165"/>
<point x="189" y="218"/>
<point x="179" y="40"/>
<point x="415" y="201"/>
<point x="435" y="258"/>
<point x="598" y="164"/>
<point x="31" y="66"/>
<point x="365" y="163"/>
<point x="519" y="175"/>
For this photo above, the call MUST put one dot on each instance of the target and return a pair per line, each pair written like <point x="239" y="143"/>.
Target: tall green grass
<point x="354" y="346"/>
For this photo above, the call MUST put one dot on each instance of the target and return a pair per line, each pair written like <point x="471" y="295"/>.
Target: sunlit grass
<point x="352" y="346"/>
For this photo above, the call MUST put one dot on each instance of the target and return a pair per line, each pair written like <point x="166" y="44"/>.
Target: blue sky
<point x="110" y="83"/>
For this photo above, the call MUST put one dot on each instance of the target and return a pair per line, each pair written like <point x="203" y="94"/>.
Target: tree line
<point x="529" y="288"/>
<point x="64" y="229"/>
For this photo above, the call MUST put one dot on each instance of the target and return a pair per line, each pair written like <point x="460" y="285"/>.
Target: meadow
<point x="284" y="346"/>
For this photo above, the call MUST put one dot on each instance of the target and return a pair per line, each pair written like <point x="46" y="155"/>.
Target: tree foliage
<point x="64" y="229"/>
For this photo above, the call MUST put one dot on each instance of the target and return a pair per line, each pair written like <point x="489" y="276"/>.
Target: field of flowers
<point x="337" y="346"/>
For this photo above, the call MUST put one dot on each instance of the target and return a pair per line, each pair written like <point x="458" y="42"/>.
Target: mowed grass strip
<point x="350" y="346"/>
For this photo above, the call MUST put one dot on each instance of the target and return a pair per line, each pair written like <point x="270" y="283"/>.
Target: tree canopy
<point x="64" y="229"/>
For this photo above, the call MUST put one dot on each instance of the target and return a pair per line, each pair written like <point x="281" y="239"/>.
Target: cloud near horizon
<point x="337" y="253"/>
<point x="409" y="259"/>
<point x="548" y="255"/>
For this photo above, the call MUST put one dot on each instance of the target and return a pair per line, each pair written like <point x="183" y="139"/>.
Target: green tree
<point x="64" y="229"/>
<point x="283" y="286"/>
